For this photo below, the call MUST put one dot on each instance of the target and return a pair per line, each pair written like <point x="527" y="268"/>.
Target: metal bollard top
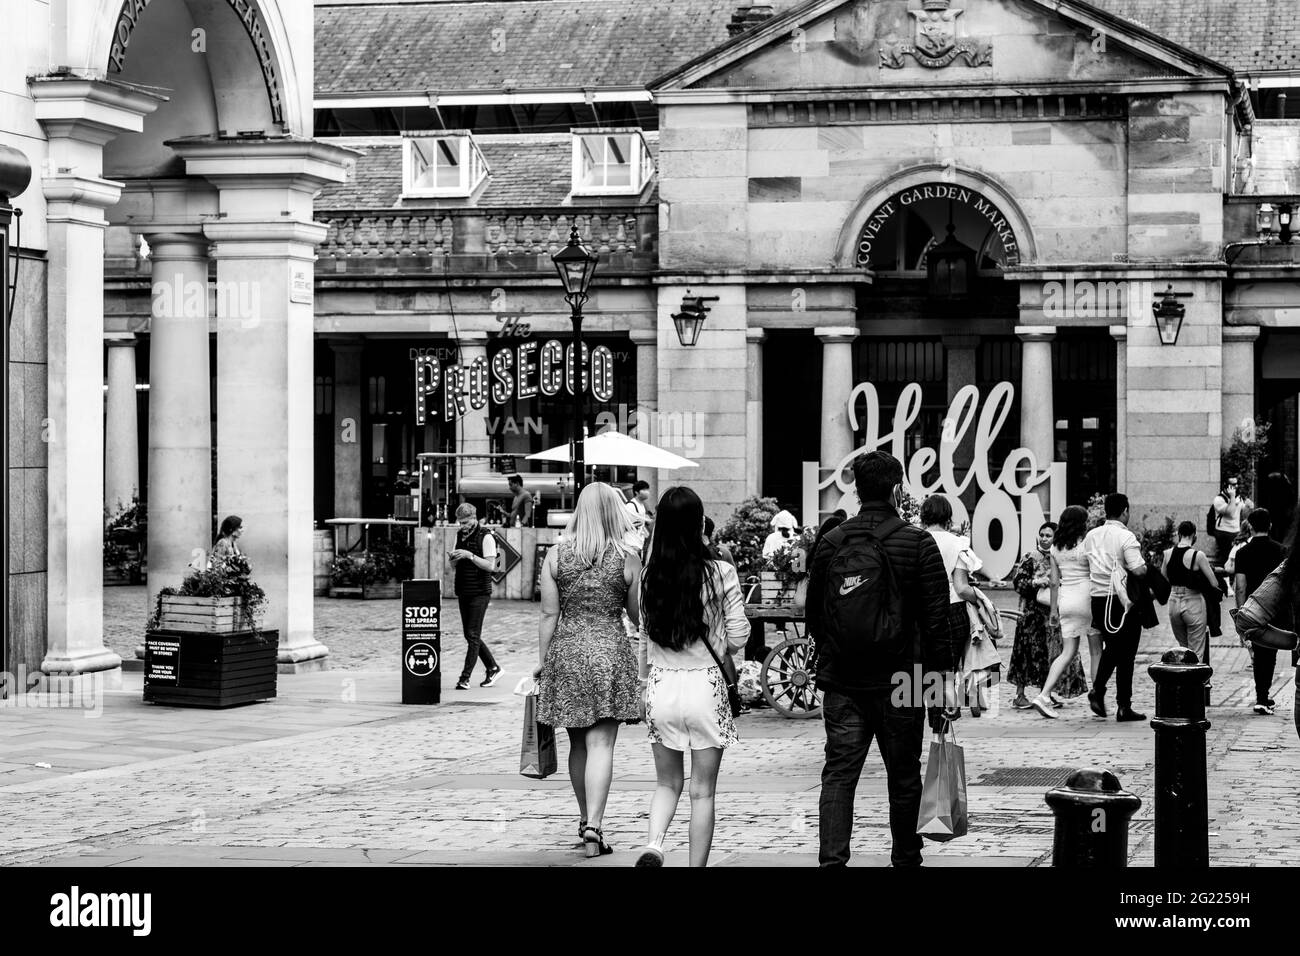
<point x="1092" y="786"/>
<point x="1093" y="779"/>
<point x="1179" y="655"/>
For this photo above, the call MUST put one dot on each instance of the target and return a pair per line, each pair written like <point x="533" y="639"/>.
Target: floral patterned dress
<point x="590" y="671"/>
<point x="1029" y="657"/>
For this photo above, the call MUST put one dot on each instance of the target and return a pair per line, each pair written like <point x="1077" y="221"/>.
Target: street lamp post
<point x="576" y="265"/>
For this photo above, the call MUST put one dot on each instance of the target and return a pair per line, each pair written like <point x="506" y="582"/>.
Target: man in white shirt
<point x="1113" y="553"/>
<point x="784" y="527"/>
<point x="640" y="513"/>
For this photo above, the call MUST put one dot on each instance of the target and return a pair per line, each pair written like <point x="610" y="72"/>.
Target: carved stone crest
<point x="936" y="41"/>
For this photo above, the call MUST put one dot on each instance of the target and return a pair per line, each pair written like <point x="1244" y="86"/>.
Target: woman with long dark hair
<point x="1272" y="612"/>
<point x="1070" y="607"/>
<point x="691" y="610"/>
<point x="227" y="543"/>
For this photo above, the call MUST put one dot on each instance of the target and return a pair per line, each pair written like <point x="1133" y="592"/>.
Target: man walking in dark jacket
<point x="858" y="671"/>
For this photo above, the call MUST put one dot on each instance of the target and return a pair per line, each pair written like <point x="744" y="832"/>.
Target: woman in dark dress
<point x="1029" y="660"/>
<point x="1037" y="642"/>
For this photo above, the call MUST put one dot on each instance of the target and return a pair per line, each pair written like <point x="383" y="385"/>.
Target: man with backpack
<point x="877" y="608"/>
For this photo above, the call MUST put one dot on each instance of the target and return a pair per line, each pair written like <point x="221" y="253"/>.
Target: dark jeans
<point x="472" y="609"/>
<point x="852" y="720"/>
<point x="1118" y="650"/>
<point x="1263" y="663"/>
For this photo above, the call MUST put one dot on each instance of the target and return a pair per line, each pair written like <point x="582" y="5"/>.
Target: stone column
<point x="180" y="405"/>
<point x="754" y="410"/>
<point x="1238" y="379"/>
<point x="1120" y="334"/>
<point x="347" y="435"/>
<point x="962" y="361"/>
<point x="264" y="245"/>
<point x="472" y="427"/>
<point x="837" y="383"/>
<point x="647" y="400"/>
<point x="121" y="427"/>
<point x="1037" y="417"/>
<point x="79" y="116"/>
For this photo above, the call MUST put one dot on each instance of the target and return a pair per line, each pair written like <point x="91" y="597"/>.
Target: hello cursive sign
<point x="1008" y="500"/>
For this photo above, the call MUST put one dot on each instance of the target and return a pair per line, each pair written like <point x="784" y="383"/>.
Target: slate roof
<point x="527" y="170"/>
<point x="1248" y="37"/>
<point x="569" y="44"/>
<point x="549" y="44"/>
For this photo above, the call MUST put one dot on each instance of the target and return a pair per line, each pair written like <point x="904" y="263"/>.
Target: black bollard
<point x="1092" y="814"/>
<point x="1182" y="807"/>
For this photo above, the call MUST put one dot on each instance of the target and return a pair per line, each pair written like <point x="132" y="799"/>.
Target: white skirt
<point x="688" y="709"/>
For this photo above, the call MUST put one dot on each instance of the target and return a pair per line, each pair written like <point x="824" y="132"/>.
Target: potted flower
<point x="784" y="573"/>
<point x="205" y="647"/>
<point x="219" y="600"/>
<point x="377" y="573"/>
<point x="124" y="536"/>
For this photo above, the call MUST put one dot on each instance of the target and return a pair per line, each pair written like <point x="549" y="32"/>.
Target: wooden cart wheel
<point x="788" y="683"/>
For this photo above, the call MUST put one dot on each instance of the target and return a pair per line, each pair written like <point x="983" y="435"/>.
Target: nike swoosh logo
<point x="850" y="588"/>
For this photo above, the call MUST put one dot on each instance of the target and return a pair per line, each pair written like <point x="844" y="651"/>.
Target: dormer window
<point x="610" y="162"/>
<point x="446" y="164"/>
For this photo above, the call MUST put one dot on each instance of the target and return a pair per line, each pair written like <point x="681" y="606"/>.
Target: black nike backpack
<point x="862" y="616"/>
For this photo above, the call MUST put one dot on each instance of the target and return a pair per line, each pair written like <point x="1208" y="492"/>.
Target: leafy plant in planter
<point x="231" y="578"/>
<point x="790" y="564"/>
<point x="124" y="537"/>
<point x="385" y="562"/>
<point x="745" y="531"/>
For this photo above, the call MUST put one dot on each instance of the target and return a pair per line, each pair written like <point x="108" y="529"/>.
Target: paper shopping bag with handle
<point x="537" y="755"/>
<point x="943" y="797"/>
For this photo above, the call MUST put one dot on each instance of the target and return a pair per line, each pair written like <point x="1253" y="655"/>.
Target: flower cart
<point x="203" y="647"/>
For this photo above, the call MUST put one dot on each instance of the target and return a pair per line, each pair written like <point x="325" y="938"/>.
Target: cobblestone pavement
<point x="335" y="770"/>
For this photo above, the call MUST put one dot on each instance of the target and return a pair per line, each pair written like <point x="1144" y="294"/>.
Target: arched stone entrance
<point x="199" y="126"/>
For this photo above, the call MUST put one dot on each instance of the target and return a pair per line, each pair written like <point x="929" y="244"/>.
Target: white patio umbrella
<point x="615" y="448"/>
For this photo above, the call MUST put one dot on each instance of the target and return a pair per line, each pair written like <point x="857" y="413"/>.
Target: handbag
<point x="1044" y="597"/>
<point x="729" y="676"/>
<point x="943" y="795"/>
<point x="537" y="756"/>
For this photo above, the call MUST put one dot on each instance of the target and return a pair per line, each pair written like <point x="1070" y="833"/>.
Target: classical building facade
<point x="187" y="123"/>
<point x="974" y="207"/>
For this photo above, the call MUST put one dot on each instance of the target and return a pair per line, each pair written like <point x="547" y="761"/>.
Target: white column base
<point x="302" y="658"/>
<point x="73" y="662"/>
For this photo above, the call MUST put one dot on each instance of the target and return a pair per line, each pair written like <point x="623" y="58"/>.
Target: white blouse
<point x="728" y="628"/>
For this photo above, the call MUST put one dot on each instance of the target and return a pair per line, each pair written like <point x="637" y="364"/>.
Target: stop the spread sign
<point x="421" y="642"/>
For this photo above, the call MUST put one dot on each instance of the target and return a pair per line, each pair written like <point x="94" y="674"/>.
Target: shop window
<point x="449" y="164"/>
<point x="376" y="393"/>
<point x="610" y="162"/>
<point x="324" y="395"/>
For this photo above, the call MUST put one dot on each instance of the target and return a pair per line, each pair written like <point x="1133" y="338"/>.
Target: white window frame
<point x="642" y="164"/>
<point x="472" y="166"/>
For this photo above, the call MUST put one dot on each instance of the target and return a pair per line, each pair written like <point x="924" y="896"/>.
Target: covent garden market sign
<point x="900" y="202"/>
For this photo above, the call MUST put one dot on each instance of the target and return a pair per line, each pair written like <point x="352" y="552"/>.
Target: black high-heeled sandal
<point x="593" y="842"/>
<point x="582" y="825"/>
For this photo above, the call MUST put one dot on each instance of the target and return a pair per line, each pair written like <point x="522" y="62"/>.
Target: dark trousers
<point x="852" y="720"/>
<point x="1118" y="650"/>
<point x="1264" y="660"/>
<point x="472" y="609"/>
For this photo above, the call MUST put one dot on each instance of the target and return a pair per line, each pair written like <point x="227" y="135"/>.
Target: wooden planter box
<point x="774" y="590"/>
<point x="120" y="577"/>
<point x="371" y="592"/>
<point x="188" y="669"/>
<point x="203" y="615"/>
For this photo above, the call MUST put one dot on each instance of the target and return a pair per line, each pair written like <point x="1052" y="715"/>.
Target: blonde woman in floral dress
<point x="588" y="675"/>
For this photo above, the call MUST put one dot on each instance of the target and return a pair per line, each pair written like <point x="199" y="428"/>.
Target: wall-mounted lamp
<point x="15" y="174"/>
<point x="690" y="320"/>
<point x="1169" y="313"/>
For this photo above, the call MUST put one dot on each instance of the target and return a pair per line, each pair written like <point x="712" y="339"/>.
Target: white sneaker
<point x="650" y="856"/>
<point x="1264" y="710"/>
<point x="1043" y="706"/>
